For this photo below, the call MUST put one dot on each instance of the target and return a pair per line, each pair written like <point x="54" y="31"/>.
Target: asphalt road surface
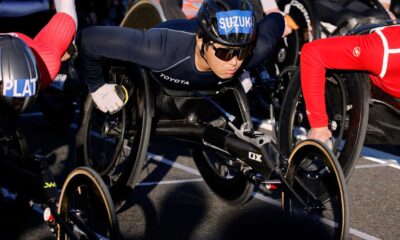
<point x="173" y="202"/>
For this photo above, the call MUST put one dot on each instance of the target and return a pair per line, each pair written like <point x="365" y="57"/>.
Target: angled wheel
<point x="220" y="172"/>
<point x="116" y="145"/>
<point x="347" y="107"/>
<point x="143" y="14"/>
<point x="86" y="206"/>
<point x="223" y="177"/>
<point x="316" y="177"/>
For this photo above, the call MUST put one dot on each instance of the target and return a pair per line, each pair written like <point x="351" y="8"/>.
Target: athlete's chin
<point x="227" y="75"/>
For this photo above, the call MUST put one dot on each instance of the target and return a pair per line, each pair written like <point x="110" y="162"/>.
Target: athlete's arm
<point x="149" y="49"/>
<point x="19" y="8"/>
<point x="269" y="32"/>
<point x="347" y="53"/>
<point x="68" y="7"/>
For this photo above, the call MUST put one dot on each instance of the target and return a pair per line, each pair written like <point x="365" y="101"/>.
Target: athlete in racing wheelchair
<point x="184" y="84"/>
<point x="374" y="53"/>
<point x="26" y="66"/>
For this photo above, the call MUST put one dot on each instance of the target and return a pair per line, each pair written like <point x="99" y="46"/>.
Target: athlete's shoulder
<point x="182" y="25"/>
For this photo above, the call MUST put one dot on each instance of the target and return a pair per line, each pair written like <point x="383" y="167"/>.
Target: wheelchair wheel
<point x="288" y="48"/>
<point x="281" y="85"/>
<point x="222" y="177"/>
<point x="143" y="14"/>
<point x="315" y="175"/>
<point x="347" y="107"/>
<point x="220" y="172"/>
<point x="86" y="206"/>
<point x="116" y="145"/>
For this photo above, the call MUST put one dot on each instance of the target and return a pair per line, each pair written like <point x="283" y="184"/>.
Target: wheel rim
<point x="320" y="185"/>
<point x="221" y="165"/>
<point x="83" y="202"/>
<point x="105" y="138"/>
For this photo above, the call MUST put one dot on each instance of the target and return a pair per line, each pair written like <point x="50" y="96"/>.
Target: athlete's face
<point x="222" y="60"/>
<point x="224" y="68"/>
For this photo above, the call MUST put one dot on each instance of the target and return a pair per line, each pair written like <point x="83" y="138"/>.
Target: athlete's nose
<point x="234" y="61"/>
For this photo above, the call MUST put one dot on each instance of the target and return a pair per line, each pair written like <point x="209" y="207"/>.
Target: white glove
<point x="107" y="99"/>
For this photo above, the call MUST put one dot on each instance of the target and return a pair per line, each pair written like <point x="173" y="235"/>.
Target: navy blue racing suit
<point x="168" y="51"/>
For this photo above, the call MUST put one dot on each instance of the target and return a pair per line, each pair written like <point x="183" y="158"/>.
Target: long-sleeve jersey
<point x="377" y="53"/>
<point x="167" y="52"/>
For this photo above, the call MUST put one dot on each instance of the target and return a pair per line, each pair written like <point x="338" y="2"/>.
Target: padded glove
<point x="107" y="99"/>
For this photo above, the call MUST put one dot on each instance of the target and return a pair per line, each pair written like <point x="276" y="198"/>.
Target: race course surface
<point x="173" y="202"/>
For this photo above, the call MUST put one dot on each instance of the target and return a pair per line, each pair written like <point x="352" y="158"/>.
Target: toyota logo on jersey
<point x="20" y="87"/>
<point x="235" y="21"/>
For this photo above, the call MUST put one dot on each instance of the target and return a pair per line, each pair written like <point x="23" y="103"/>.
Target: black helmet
<point x="19" y="77"/>
<point x="227" y="22"/>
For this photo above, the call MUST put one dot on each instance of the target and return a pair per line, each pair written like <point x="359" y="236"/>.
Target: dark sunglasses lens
<point x="224" y="54"/>
<point x="244" y="52"/>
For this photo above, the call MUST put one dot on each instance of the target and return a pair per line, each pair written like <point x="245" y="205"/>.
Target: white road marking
<point x="161" y="159"/>
<point x="371" y="166"/>
<point x="257" y="195"/>
<point x="143" y="184"/>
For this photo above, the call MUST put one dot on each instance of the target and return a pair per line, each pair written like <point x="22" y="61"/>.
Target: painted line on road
<point x="161" y="159"/>
<point x="379" y="165"/>
<point x="362" y="235"/>
<point x="143" y="184"/>
<point x="257" y="195"/>
<point x="381" y="157"/>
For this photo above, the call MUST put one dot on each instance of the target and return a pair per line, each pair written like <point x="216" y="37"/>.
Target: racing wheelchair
<point x="349" y="97"/>
<point x="352" y="106"/>
<point x="83" y="209"/>
<point x="231" y="156"/>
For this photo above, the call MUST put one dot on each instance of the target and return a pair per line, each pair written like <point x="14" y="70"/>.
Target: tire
<point x="347" y="98"/>
<point x="316" y="176"/>
<point x="227" y="182"/>
<point x="143" y="15"/>
<point x="116" y="145"/>
<point x="220" y="172"/>
<point x="85" y="193"/>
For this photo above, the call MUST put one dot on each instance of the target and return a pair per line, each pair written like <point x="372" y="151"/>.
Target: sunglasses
<point x="227" y="54"/>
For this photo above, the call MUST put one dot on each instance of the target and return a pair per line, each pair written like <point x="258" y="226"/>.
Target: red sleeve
<point x="51" y="43"/>
<point x="346" y="53"/>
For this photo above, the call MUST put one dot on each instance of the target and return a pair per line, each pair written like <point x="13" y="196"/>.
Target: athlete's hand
<point x="322" y="134"/>
<point x="65" y="57"/>
<point x="107" y="99"/>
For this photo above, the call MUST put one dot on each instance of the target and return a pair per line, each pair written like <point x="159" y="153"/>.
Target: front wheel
<point x="85" y="205"/>
<point x="315" y="175"/>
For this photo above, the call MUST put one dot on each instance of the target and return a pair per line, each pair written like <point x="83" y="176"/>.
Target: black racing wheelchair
<point x="83" y="209"/>
<point x="231" y="156"/>
<point x="347" y="100"/>
<point x="353" y="105"/>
